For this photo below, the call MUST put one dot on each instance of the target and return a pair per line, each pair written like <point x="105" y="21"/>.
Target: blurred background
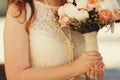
<point x="109" y="47"/>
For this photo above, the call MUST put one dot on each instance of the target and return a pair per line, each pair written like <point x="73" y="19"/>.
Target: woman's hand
<point x="82" y="64"/>
<point x="96" y="70"/>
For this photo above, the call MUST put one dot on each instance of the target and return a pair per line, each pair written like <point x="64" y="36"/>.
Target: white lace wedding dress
<point x="47" y="44"/>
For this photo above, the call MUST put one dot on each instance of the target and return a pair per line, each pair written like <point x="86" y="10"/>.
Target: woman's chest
<point x="50" y="47"/>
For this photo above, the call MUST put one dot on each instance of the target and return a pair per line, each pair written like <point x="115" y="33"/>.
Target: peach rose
<point x="115" y="15"/>
<point x="92" y="4"/>
<point x="63" y="20"/>
<point x="105" y="15"/>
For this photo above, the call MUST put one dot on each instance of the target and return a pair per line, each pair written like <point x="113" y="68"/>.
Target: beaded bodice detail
<point x="48" y="46"/>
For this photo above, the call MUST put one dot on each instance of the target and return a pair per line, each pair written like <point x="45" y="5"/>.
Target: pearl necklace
<point x="68" y="40"/>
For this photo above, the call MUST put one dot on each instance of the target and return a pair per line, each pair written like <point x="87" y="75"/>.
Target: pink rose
<point x="63" y="20"/>
<point x="115" y="15"/>
<point x="105" y="15"/>
<point x="92" y="4"/>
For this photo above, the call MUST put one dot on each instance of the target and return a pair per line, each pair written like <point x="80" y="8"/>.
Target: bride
<point x="35" y="49"/>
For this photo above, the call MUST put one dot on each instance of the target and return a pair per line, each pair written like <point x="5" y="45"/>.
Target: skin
<point x="17" y="55"/>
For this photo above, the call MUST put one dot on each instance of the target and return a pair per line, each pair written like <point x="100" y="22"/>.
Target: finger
<point x="93" y="53"/>
<point x="101" y="60"/>
<point x="88" y="72"/>
<point x="104" y="68"/>
<point x="101" y="73"/>
<point x="92" y="72"/>
<point x="89" y="69"/>
<point x="96" y="71"/>
<point x="100" y="70"/>
<point x="96" y="58"/>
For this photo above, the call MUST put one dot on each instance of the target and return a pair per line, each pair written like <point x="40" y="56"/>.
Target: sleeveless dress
<point x="48" y="46"/>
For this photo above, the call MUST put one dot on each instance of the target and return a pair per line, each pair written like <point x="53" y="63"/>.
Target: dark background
<point x="2" y="7"/>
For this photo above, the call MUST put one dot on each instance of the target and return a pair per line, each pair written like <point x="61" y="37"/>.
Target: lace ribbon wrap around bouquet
<point x="88" y="16"/>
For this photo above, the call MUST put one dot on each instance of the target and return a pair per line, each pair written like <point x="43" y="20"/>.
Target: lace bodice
<point x="48" y="46"/>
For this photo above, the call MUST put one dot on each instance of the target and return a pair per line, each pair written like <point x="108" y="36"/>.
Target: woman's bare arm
<point x="17" y="57"/>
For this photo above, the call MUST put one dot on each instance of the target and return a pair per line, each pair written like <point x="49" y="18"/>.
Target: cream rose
<point x="70" y="10"/>
<point x="106" y="4"/>
<point x="60" y="10"/>
<point x="81" y="15"/>
<point x="81" y="4"/>
<point x="69" y="1"/>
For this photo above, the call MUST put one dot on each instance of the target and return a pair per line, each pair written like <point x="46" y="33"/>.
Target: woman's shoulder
<point x="12" y="8"/>
<point x="15" y="13"/>
<point x="15" y="19"/>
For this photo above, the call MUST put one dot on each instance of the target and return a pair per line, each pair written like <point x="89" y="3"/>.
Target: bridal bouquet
<point x="88" y="16"/>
